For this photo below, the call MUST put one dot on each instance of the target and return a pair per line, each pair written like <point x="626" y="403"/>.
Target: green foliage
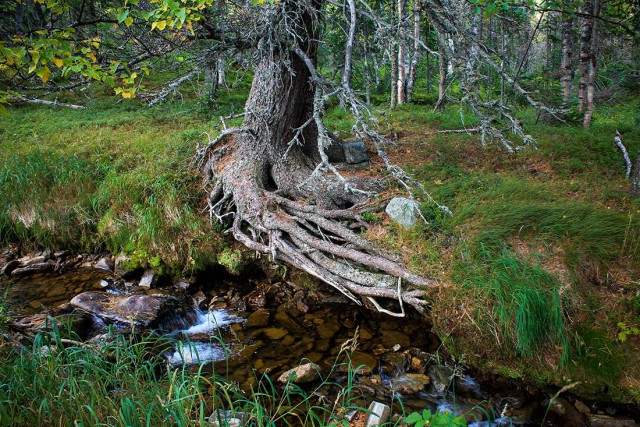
<point x="88" y="179"/>
<point x="522" y="300"/>
<point x="439" y="419"/>
<point x="625" y="331"/>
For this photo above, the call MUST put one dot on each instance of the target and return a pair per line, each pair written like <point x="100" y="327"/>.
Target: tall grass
<point x="114" y="177"/>
<point x="125" y="382"/>
<point x="520" y="301"/>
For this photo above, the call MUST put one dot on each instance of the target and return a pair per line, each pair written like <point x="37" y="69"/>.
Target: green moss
<point x="232" y="260"/>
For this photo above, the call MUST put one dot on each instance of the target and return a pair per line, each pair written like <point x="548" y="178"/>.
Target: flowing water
<point x="395" y="359"/>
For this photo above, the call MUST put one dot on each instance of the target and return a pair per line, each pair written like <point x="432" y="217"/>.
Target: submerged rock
<point x="258" y="319"/>
<point x="606" y="421"/>
<point x="403" y="211"/>
<point x="302" y="374"/>
<point x="409" y="383"/>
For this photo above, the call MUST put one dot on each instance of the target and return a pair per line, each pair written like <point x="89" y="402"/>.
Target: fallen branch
<point x="625" y="153"/>
<point x="53" y="103"/>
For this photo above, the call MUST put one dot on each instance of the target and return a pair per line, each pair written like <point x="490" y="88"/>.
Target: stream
<point x="245" y="329"/>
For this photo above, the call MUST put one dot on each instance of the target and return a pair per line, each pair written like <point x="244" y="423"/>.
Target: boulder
<point x="302" y="374"/>
<point x="9" y="267"/>
<point x="403" y="211"/>
<point x="355" y="152"/>
<point x="142" y="310"/>
<point x="606" y="421"/>
<point x="32" y="269"/>
<point x="149" y="279"/>
<point x="104" y="264"/>
<point x="409" y="383"/>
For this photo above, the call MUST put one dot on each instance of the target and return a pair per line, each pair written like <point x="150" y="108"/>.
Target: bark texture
<point x="271" y="182"/>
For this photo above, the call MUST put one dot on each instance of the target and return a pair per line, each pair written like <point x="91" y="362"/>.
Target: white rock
<point x="403" y="211"/>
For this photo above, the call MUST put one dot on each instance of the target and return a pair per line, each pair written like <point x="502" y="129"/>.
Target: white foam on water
<point x="209" y="321"/>
<point x="197" y="352"/>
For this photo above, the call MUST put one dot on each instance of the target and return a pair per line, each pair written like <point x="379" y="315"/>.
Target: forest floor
<point x="540" y="259"/>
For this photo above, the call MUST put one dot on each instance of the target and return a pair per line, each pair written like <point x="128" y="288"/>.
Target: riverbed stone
<point x="143" y="310"/>
<point x="378" y="414"/>
<point x="355" y="152"/>
<point x="35" y="260"/>
<point x="363" y="363"/>
<point x="275" y="333"/>
<point x="258" y="319"/>
<point x="328" y="330"/>
<point x="441" y="376"/>
<point x="391" y="338"/>
<point x="305" y="373"/>
<point x="409" y="383"/>
<point x="403" y="211"/>
<point x="104" y="264"/>
<point x="149" y="279"/>
<point x="9" y="267"/>
<point x="607" y="421"/>
<point x="32" y="269"/>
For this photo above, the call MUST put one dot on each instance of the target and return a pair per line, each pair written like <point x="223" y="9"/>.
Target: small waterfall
<point x="205" y="322"/>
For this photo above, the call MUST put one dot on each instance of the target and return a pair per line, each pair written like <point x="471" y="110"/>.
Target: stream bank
<point x="245" y="328"/>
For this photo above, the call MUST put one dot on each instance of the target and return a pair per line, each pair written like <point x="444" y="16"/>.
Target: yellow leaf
<point x="153" y="25"/>
<point x="44" y="74"/>
<point x="161" y="25"/>
<point x="92" y="56"/>
<point x="58" y="62"/>
<point x="128" y="21"/>
<point x="10" y="62"/>
<point x="134" y="75"/>
<point x="127" y="94"/>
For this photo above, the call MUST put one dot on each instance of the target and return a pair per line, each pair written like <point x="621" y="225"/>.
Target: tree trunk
<point x="267" y="180"/>
<point x="402" y="55"/>
<point x="566" y="67"/>
<point x="591" y="67"/>
<point x="588" y="56"/>
<point x="415" y="57"/>
<point x="442" y="80"/>
<point x="634" y="191"/>
<point x="393" y="56"/>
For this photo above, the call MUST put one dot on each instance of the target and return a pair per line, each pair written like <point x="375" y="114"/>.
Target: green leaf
<point x="414" y="417"/>
<point x="123" y="15"/>
<point x="426" y="414"/>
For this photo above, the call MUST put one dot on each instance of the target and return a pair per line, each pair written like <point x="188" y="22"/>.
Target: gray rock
<point x="355" y="152"/>
<point x="379" y="414"/>
<point x="104" y="264"/>
<point x="143" y="310"/>
<point x="302" y="374"/>
<point x="9" y="267"/>
<point x="409" y="383"/>
<point x="149" y="279"/>
<point x="403" y="211"/>
<point x="36" y="260"/>
<point x="441" y="376"/>
<point x="258" y="319"/>
<point x="606" y="421"/>
<point x="32" y="269"/>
